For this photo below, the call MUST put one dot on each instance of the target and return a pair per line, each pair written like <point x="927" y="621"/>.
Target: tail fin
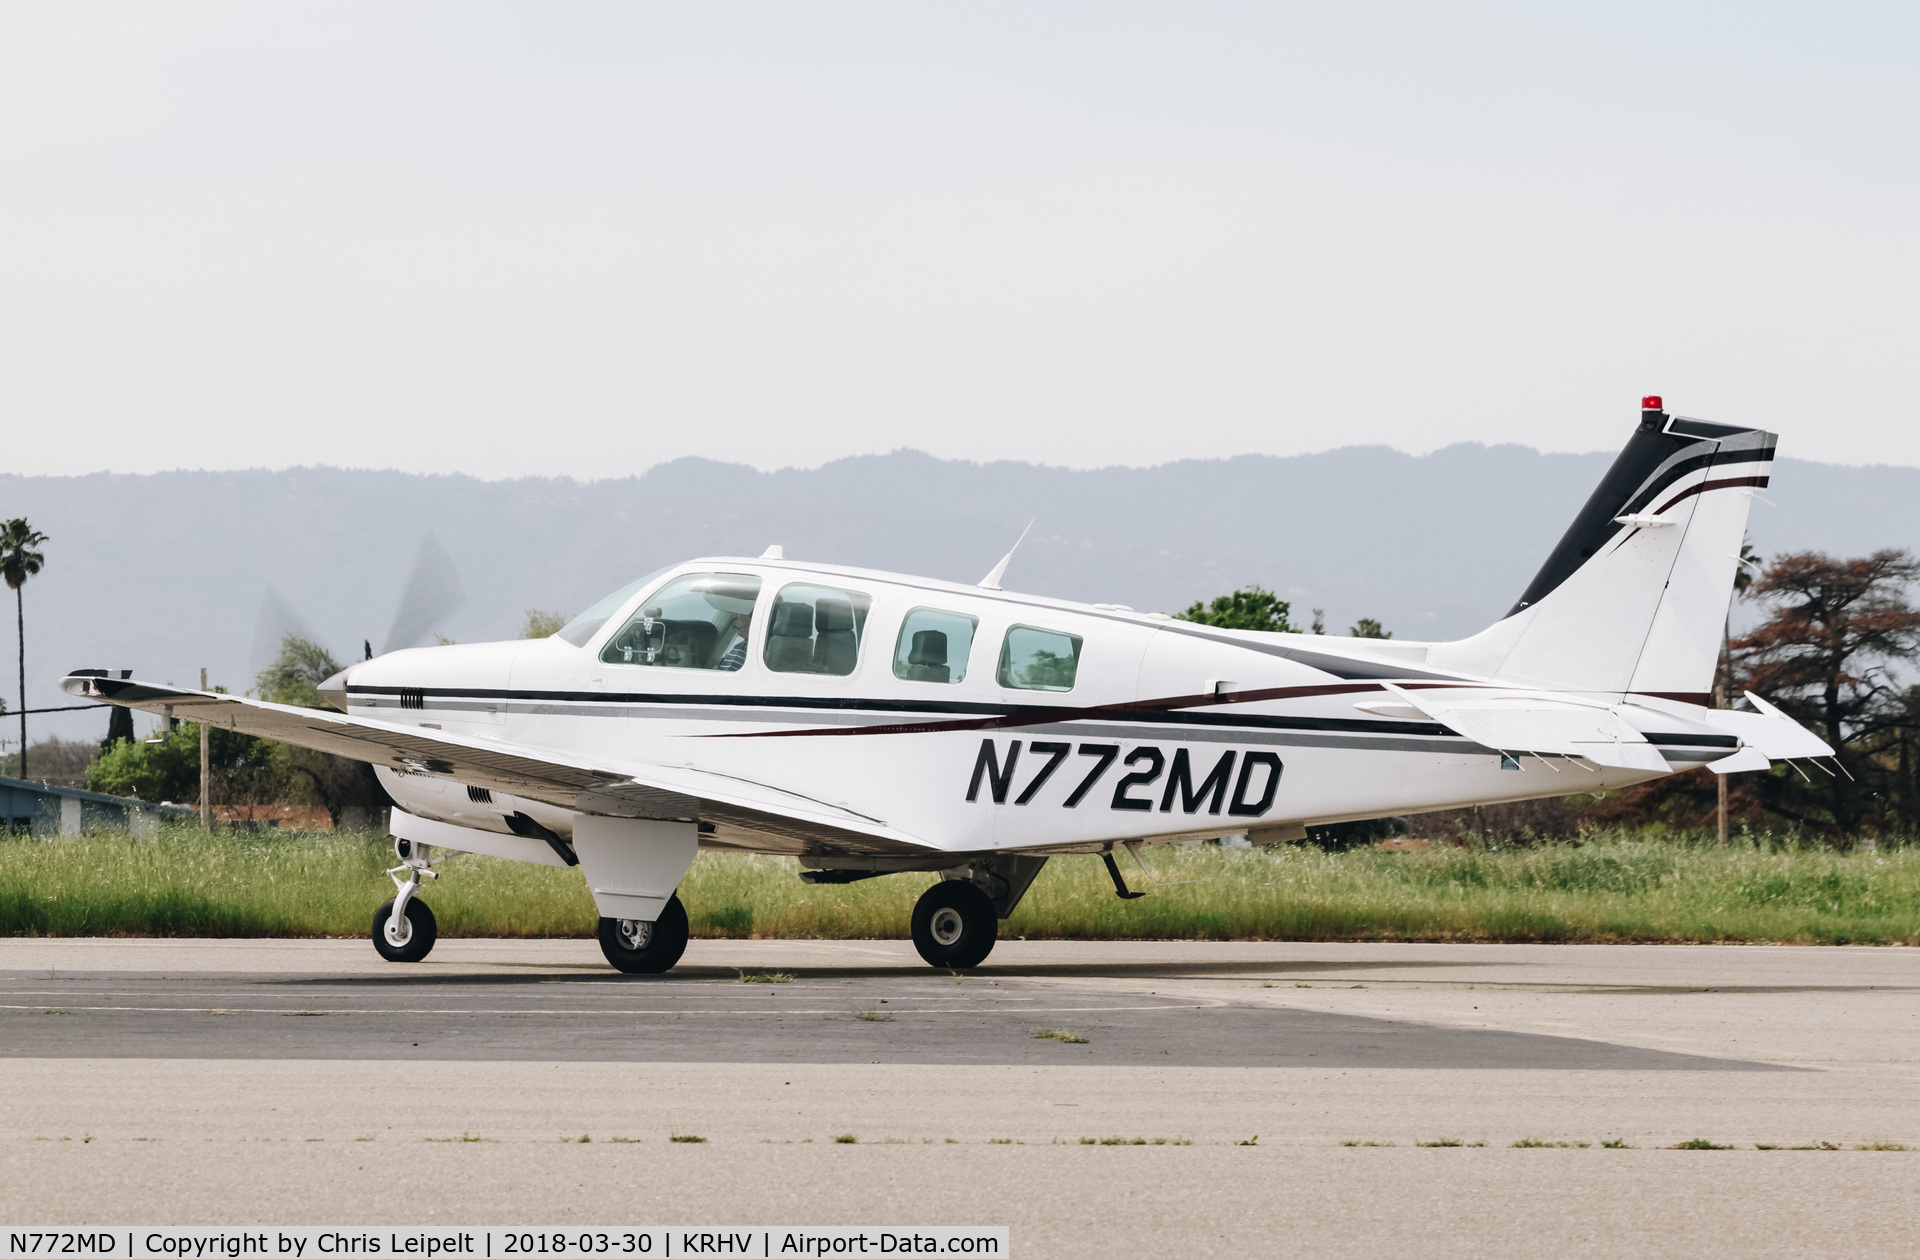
<point x="1634" y="598"/>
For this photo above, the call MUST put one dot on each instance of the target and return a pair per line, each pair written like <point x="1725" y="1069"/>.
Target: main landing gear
<point x="954" y="924"/>
<point x="957" y="920"/>
<point x="403" y="926"/>
<point x="640" y="948"/>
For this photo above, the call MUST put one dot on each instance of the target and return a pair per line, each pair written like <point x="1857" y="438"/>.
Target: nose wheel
<point x="640" y="948"/>
<point x="408" y="936"/>
<point x="954" y="924"/>
<point x="403" y="926"/>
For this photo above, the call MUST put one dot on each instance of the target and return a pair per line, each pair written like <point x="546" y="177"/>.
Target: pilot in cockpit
<point x="736" y="654"/>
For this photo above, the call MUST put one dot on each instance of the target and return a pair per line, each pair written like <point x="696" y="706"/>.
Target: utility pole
<point x="206" y="765"/>
<point x="1746" y="567"/>
<point x="1721" y="677"/>
<point x="1720" y="780"/>
<point x="21" y="611"/>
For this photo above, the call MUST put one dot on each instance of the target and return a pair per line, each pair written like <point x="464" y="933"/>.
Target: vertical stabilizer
<point x="1634" y="598"/>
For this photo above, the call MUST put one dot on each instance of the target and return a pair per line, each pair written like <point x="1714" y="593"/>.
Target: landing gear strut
<point x="403" y="926"/>
<point x="646" y="949"/>
<point x="954" y="924"/>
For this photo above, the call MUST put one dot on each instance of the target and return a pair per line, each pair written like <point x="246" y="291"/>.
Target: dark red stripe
<point x="1131" y="708"/>
<point x="1728" y="484"/>
<point x="1702" y="698"/>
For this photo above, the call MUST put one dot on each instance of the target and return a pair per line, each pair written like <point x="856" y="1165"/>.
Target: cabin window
<point x="583" y="627"/>
<point x="933" y="646"/>
<point x="699" y="621"/>
<point x="816" y="630"/>
<point x="1039" y="660"/>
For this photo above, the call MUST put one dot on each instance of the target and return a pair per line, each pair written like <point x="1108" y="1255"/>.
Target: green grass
<point x="1059" y="1034"/>
<point x="1610" y="888"/>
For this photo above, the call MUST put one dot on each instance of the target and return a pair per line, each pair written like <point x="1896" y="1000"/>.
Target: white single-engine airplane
<point x="870" y="723"/>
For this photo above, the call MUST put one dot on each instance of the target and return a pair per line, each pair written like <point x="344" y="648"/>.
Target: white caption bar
<point x="499" y="1242"/>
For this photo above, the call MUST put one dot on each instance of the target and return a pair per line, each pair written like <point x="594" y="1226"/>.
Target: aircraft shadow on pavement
<point x="917" y="1020"/>
<point x="545" y="973"/>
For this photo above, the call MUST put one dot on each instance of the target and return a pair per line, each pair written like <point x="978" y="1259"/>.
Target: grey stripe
<point x="1700" y="446"/>
<point x="1294" y="739"/>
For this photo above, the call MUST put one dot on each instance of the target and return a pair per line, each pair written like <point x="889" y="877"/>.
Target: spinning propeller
<point x="432" y="593"/>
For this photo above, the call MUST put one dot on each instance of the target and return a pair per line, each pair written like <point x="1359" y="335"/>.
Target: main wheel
<point x="640" y="948"/>
<point x="408" y="940"/>
<point x="954" y="924"/>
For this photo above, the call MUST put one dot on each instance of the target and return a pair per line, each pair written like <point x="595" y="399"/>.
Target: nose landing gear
<point x="403" y="926"/>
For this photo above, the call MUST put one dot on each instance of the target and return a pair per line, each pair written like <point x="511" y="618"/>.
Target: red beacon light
<point x="1651" y="403"/>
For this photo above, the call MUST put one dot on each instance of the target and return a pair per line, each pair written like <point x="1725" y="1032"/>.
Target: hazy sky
<point x="582" y="239"/>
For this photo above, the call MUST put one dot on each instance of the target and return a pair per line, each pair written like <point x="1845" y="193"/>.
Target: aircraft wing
<point x="1533" y="723"/>
<point x="565" y="779"/>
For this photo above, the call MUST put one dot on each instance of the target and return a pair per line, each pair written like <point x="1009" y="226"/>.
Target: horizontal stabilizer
<point x="1748" y="758"/>
<point x="1768" y="730"/>
<point x="1532" y="723"/>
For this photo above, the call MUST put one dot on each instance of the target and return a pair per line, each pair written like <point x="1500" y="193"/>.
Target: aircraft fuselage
<point x="1054" y="727"/>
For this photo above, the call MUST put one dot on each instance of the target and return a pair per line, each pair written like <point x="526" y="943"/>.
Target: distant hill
<point x="165" y="573"/>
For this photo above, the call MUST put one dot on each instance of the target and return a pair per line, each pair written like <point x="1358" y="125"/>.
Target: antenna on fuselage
<point x="991" y="582"/>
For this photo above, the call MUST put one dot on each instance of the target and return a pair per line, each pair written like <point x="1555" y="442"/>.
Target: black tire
<point x="954" y="925"/>
<point x="658" y="947"/>
<point x="423" y="931"/>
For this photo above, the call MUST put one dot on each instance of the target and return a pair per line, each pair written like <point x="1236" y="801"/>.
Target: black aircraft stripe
<point x="1169" y="711"/>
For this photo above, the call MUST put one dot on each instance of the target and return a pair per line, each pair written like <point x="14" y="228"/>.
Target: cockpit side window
<point x="699" y="621"/>
<point x="933" y="646"/>
<point x="1032" y="659"/>
<point x="816" y="630"/>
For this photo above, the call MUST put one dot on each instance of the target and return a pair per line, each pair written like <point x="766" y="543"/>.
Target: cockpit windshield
<point x="696" y="621"/>
<point x="583" y="627"/>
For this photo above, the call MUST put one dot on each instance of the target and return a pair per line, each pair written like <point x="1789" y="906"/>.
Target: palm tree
<point x="20" y="560"/>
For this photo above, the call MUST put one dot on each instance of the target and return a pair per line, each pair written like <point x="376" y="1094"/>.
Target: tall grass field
<point x="186" y="882"/>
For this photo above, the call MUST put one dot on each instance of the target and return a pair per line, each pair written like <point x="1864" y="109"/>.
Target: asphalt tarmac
<point x="822" y="1014"/>
<point x="1285" y="1097"/>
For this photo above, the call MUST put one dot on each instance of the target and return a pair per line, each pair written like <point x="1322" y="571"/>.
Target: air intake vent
<point x="412" y="698"/>
<point x="479" y="795"/>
